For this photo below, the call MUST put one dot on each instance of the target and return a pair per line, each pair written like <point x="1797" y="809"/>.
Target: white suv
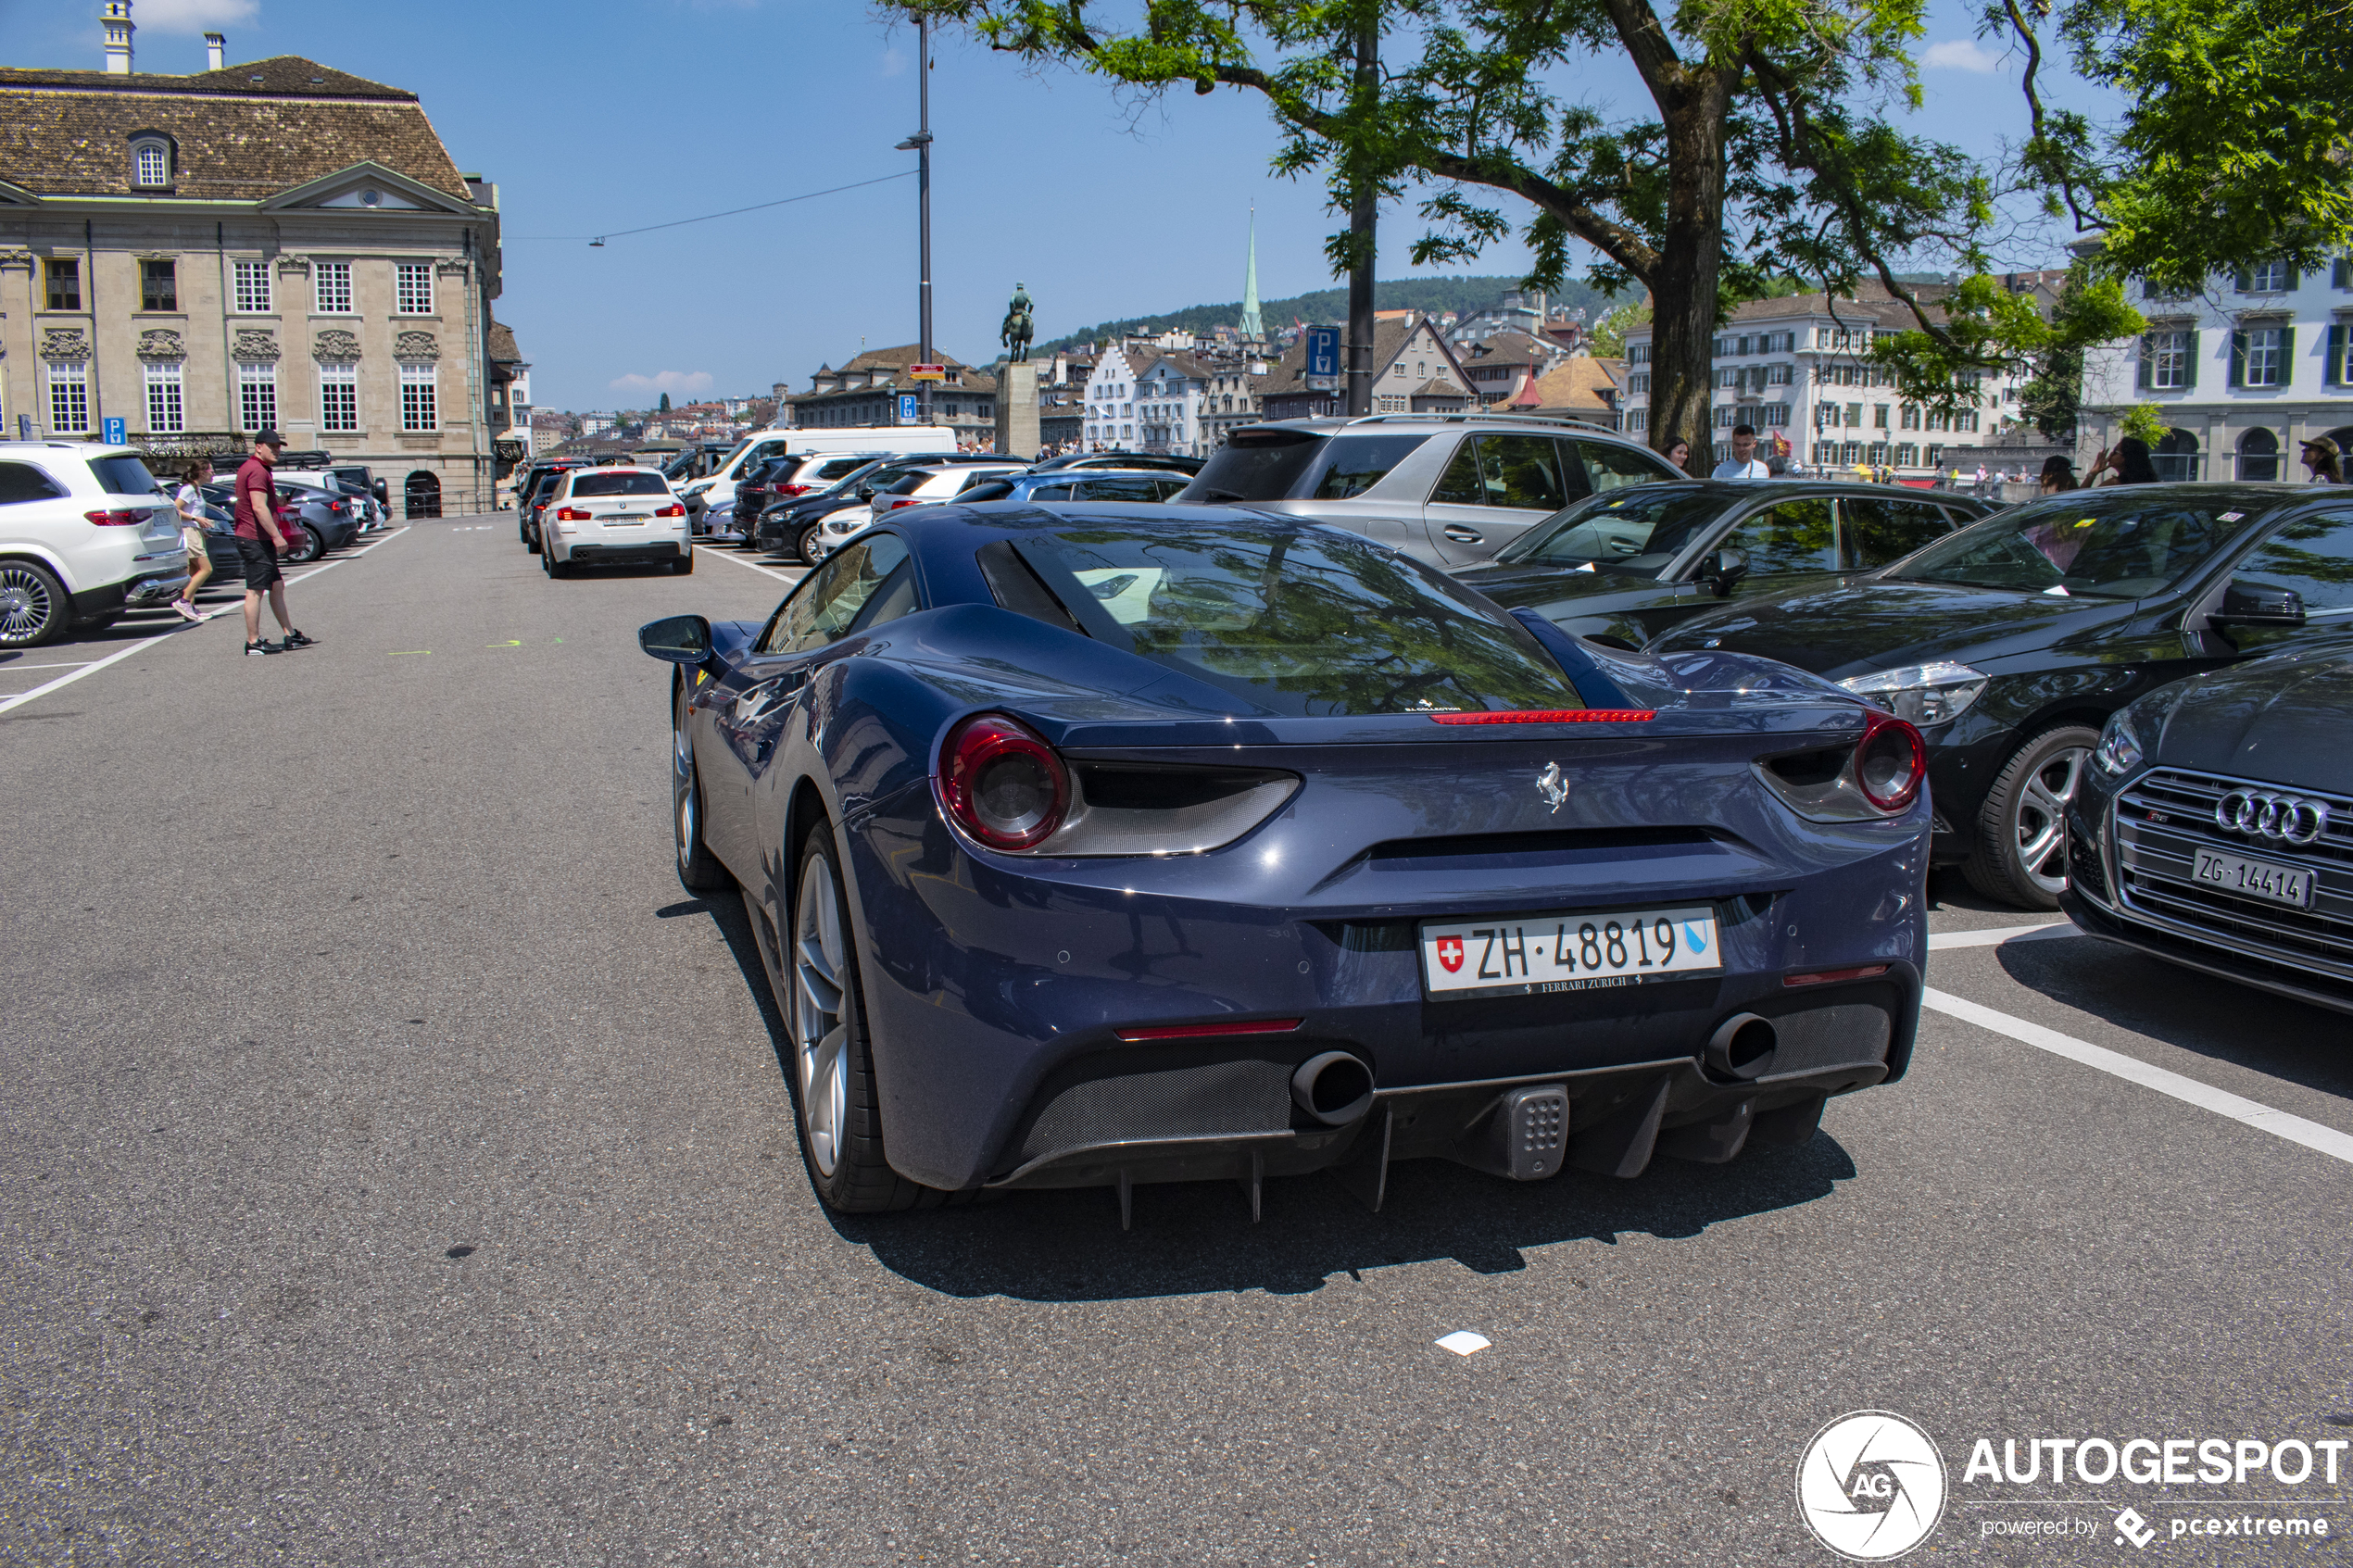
<point x="85" y="534"/>
<point x="602" y="515"/>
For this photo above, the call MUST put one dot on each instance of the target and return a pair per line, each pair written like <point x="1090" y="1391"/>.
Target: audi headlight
<point x="2131" y="732"/>
<point x="1924" y="694"/>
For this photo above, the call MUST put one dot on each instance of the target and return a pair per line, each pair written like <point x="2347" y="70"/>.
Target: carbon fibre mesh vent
<point x="1215" y="1098"/>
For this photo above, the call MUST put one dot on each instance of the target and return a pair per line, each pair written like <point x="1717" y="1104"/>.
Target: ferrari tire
<point x="833" y="1072"/>
<point x="699" y="871"/>
<point x="2020" y="855"/>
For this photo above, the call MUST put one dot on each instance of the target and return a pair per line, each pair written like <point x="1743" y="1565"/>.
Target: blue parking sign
<point x="112" y="432"/>
<point x="1323" y="351"/>
<point x="909" y="409"/>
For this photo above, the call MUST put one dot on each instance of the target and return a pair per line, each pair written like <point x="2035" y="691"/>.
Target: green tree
<point x="665" y="403"/>
<point x="1608" y="339"/>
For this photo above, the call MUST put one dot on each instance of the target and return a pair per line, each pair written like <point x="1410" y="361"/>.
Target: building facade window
<point x="151" y="165"/>
<point x="332" y="283"/>
<point x="158" y="285"/>
<point x="63" y="274"/>
<point x="165" y="405"/>
<point x="419" y="396"/>
<point x="339" y="398"/>
<point x="412" y="292"/>
<point x="257" y="395"/>
<point x="2262" y="357"/>
<point x="2268" y="276"/>
<point x="252" y="295"/>
<point x="68" y="396"/>
<point x="2167" y="358"/>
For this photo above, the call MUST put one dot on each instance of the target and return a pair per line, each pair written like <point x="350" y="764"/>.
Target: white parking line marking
<point x="73" y="664"/>
<point x="2000" y="935"/>
<point x="2295" y="1129"/>
<point x="799" y="573"/>
<point x="140" y="646"/>
<point x="1463" y="1342"/>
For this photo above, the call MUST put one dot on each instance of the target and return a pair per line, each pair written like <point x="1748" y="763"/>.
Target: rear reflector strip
<point x="1553" y="716"/>
<point x="1191" y="1030"/>
<point x="1824" y="976"/>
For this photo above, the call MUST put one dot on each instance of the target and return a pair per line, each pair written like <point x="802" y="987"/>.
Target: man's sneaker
<point x="297" y="640"/>
<point x="265" y="645"/>
<point x="188" y="611"/>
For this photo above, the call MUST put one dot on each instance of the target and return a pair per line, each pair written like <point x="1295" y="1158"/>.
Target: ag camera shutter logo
<point x="1870" y="1485"/>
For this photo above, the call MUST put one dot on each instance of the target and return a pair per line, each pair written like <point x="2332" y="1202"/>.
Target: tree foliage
<point x="1608" y="336"/>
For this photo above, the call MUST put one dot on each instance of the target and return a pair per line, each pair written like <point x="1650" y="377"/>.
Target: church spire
<point x="1252" y="329"/>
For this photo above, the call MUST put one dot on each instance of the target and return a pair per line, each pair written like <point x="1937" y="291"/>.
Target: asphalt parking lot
<point x="395" y="1167"/>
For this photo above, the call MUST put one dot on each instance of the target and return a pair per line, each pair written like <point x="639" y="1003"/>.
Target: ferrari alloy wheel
<point x="815" y="973"/>
<point x="699" y="871"/>
<point x="820" y="1029"/>
<point x="33" y="605"/>
<point x="2021" y="830"/>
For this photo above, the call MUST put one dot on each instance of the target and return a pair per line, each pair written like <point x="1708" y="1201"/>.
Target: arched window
<point x="151" y="161"/>
<point x="2175" y="456"/>
<point x="2259" y="455"/>
<point x="423" y="494"/>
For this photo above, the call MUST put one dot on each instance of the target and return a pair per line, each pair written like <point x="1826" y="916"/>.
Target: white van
<point x="718" y="489"/>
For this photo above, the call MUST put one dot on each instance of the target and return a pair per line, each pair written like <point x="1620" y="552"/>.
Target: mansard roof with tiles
<point x="245" y="133"/>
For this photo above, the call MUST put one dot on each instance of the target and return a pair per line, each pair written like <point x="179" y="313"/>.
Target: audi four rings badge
<point x="2290" y="819"/>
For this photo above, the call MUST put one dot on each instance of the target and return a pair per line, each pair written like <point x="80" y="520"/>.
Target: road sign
<point x="928" y="373"/>
<point x="24" y="427"/>
<point x="112" y="432"/>
<point x="909" y="409"/>
<point x="1323" y="351"/>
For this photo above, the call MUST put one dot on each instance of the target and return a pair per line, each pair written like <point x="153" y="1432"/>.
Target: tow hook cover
<point x="1524" y="1135"/>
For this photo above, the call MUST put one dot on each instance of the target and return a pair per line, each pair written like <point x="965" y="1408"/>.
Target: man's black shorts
<point x="261" y="563"/>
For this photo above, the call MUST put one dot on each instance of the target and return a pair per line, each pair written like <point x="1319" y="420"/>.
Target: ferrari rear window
<point x="1304" y="622"/>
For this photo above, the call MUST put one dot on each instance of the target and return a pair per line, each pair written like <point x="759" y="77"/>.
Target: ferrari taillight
<point x="1890" y="762"/>
<point x="1002" y="784"/>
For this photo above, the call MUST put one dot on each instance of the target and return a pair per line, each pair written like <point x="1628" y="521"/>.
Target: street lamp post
<point x="920" y="145"/>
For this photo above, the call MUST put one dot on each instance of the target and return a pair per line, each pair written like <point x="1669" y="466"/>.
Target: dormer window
<point x="151" y="163"/>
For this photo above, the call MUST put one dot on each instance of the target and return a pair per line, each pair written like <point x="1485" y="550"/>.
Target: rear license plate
<point x="625" y="517"/>
<point x="2254" y="879"/>
<point x="1583" y="951"/>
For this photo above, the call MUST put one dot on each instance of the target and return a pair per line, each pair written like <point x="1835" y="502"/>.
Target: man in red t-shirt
<point x="258" y="542"/>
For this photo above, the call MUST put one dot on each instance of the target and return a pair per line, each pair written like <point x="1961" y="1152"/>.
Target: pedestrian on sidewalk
<point x="189" y="503"/>
<point x="258" y="542"/>
<point x="1744" y="463"/>
<point x="2323" y="463"/>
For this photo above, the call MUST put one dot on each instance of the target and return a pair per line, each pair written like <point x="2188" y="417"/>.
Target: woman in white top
<point x="189" y="503"/>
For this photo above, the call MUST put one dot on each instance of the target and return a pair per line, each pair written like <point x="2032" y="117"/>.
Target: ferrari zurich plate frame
<point x="1100" y="844"/>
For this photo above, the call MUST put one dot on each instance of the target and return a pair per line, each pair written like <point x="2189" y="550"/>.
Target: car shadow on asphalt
<point x="2277" y="1036"/>
<point x="1191" y="1237"/>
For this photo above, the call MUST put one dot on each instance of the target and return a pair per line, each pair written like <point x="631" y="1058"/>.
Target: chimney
<point x="116" y="19"/>
<point x="216" y="52"/>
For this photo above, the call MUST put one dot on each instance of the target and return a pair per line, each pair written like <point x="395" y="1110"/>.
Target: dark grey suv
<point x="1447" y="489"/>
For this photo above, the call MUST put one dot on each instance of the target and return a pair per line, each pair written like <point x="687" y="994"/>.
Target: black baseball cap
<point x="268" y="438"/>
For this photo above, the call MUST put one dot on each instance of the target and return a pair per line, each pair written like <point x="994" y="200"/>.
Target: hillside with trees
<point x="1433" y="296"/>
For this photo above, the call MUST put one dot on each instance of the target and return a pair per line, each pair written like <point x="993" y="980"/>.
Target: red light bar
<point x="1191" y="1030"/>
<point x="1552" y="716"/>
<point x="1824" y="976"/>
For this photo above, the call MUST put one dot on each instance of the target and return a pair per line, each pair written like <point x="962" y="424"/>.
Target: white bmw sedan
<point x="606" y="516"/>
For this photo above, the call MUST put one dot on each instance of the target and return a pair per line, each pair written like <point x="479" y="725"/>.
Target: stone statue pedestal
<point x="1017" y="410"/>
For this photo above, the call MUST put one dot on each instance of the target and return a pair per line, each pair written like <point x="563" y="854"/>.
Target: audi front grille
<point x="2165" y="817"/>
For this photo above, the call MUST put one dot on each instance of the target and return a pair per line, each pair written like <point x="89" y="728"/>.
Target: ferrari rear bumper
<point x="1121" y="1120"/>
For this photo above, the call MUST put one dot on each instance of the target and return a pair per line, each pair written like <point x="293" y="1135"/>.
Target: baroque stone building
<point x="274" y="244"/>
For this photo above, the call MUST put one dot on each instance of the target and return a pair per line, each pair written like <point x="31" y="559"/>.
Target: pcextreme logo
<point x="1870" y="1485"/>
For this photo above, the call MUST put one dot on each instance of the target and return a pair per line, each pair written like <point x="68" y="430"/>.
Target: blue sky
<point x="595" y="116"/>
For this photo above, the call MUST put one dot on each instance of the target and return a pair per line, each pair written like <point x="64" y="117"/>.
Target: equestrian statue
<point x="1018" y="329"/>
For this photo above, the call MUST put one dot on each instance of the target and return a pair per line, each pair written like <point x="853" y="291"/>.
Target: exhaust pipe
<point x="1335" y="1088"/>
<point x="1742" y="1046"/>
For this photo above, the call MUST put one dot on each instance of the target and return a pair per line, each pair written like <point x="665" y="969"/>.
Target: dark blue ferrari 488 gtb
<point x="1102" y="844"/>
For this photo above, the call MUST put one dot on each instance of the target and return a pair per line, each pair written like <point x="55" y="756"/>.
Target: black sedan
<point x="2214" y="829"/>
<point x="2011" y="642"/>
<point x="1624" y="566"/>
